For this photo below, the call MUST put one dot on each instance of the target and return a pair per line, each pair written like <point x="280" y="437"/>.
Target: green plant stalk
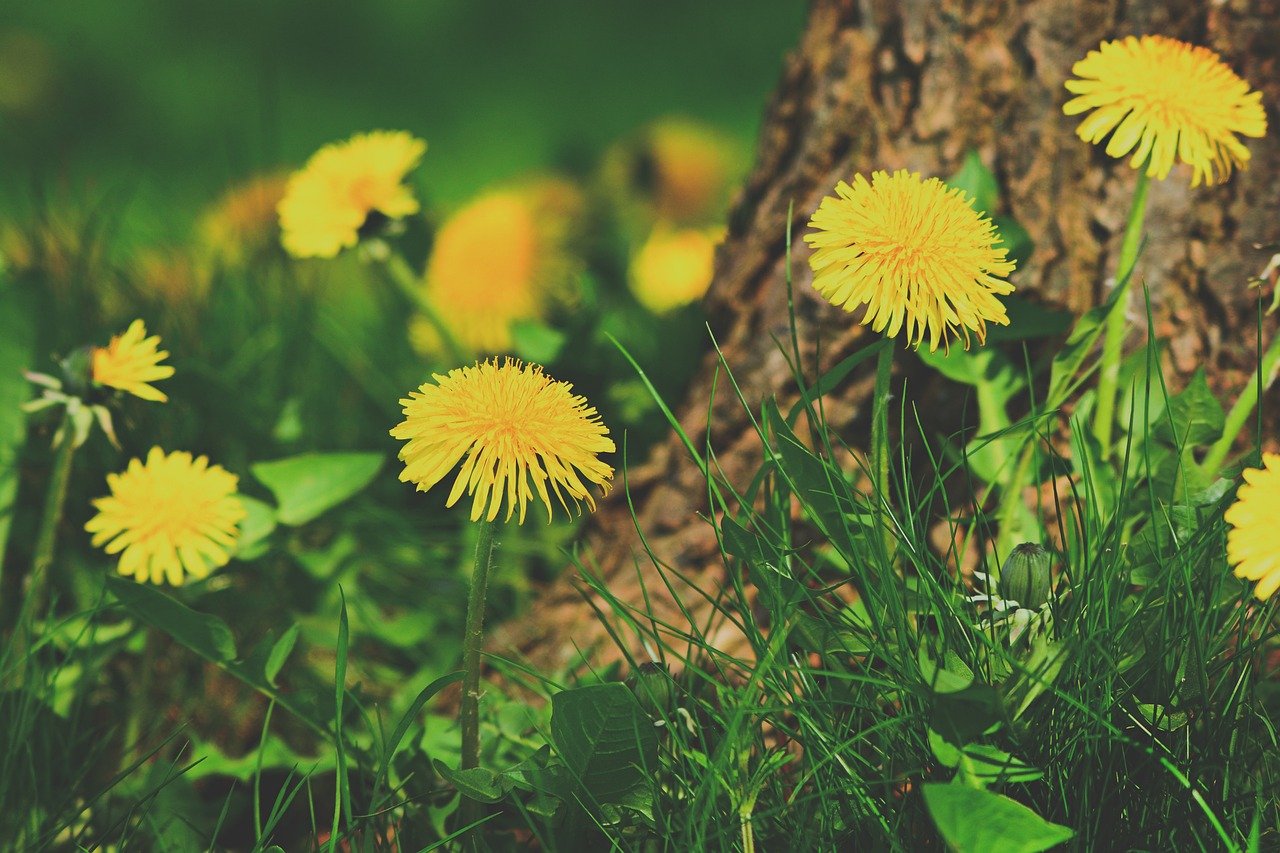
<point x="472" y="640"/>
<point x="1211" y="467"/>
<point x="1113" y="336"/>
<point x="55" y="499"/>
<point x="409" y="284"/>
<point x="880" y="444"/>
<point x="1010" y="495"/>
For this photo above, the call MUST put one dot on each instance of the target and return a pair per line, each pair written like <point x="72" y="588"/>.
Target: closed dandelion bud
<point x="654" y="690"/>
<point x="1026" y="576"/>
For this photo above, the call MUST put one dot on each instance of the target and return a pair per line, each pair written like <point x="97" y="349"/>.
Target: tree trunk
<point x="915" y="84"/>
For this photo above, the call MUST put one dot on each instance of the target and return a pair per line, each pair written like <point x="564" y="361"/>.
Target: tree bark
<point x="916" y="84"/>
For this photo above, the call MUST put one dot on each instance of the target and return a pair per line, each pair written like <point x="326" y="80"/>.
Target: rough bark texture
<point x="915" y="84"/>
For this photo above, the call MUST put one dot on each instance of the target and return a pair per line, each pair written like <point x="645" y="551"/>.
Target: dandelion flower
<point x="673" y="268"/>
<point x="169" y="518"/>
<point x="343" y="185"/>
<point x="243" y="222"/>
<point x="131" y="362"/>
<point x="500" y="259"/>
<point x="1252" y="546"/>
<point x="1166" y="100"/>
<point x="915" y="252"/>
<point x="516" y="431"/>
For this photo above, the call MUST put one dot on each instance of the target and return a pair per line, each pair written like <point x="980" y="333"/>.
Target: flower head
<point x="501" y="259"/>
<point x="243" y="222"/>
<point x="327" y="203"/>
<point x="1166" y="100"/>
<point x="915" y="252"/>
<point x="673" y="268"/>
<point x="131" y="362"/>
<point x="1252" y="546"/>
<point x="516" y="432"/>
<point x="168" y="518"/>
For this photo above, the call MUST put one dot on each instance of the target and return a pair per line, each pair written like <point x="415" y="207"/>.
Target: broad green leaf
<point x="207" y="759"/>
<point x="17" y="344"/>
<point x="536" y="341"/>
<point x="305" y="486"/>
<point x="1029" y="320"/>
<point x="978" y="182"/>
<point x="607" y="742"/>
<point x="1014" y="239"/>
<point x="831" y="380"/>
<point x="476" y="783"/>
<point x="202" y="633"/>
<point x="1194" y="417"/>
<point x="952" y="676"/>
<point x="819" y="485"/>
<point x="279" y="654"/>
<point x="972" y="820"/>
<point x="1065" y="374"/>
<point x="257" y="525"/>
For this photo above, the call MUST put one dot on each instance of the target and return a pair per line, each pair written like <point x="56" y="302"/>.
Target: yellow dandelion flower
<point x="516" y="432"/>
<point x="500" y="259"/>
<point x="690" y="169"/>
<point x="131" y="362"/>
<point x="915" y="252"/>
<point x="674" y="267"/>
<point x="327" y="203"/>
<point x="1166" y="100"/>
<point x="173" y="276"/>
<point x="1252" y="546"/>
<point x="169" y="518"/>
<point x="243" y="221"/>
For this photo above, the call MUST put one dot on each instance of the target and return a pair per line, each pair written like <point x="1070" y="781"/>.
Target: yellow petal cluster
<point x="913" y="251"/>
<point x="674" y="267"/>
<point x="170" y="518"/>
<point x="1252" y="544"/>
<point x="131" y="362"/>
<point x="500" y="259"/>
<point x="243" y="221"/>
<point x="518" y="433"/>
<point x="330" y="199"/>
<point x="1166" y="101"/>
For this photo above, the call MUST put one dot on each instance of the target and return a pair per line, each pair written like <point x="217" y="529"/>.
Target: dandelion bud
<point x="654" y="689"/>
<point x="1026" y="576"/>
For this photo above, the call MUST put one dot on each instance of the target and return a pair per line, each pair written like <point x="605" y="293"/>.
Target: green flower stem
<point x="55" y="498"/>
<point x="1211" y="467"/>
<point x="1113" y="337"/>
<point x="469" y="714"/>
<point x="410" y="285"/>
<point x="880" y="443"/>
<point x="1006" y="515"/>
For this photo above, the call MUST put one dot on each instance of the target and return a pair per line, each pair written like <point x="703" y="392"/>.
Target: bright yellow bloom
<point x="501" y="259"/>
<point x="673" y="268"/>
<point x="131" y="361"/>
<point x="508" y="424"/>
<point x="915" y="252"/>
<point x="327" y="203"/>
<point x="244" y="220"/>
<point x="169" y="518"/>
<point x="1166" y="100"/>
<point x="1252" y="545"/>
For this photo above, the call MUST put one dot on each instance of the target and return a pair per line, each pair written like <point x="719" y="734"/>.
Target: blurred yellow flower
<point x="1252" y="545"/>
<point x="677" y="170"/>
<point x="327" y="202"/>
<point x="502" y="258"/>
<point x="508" y="424"/>
<point x="1166" y="100"/>
<point x="243" y="221"/>
<point x="171" y="518"/>
<point x="673" y="267"/>
<point x="131" y="362"/>
<point x="172" y="275"/>
<point x="915" y="252"/>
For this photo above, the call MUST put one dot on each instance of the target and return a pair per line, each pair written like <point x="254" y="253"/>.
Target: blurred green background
<point x="170" y="101"/>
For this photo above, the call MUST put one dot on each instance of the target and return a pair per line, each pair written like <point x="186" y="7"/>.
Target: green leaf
<point x="972" y="819"/>
<point x="537" y="342"/>
<point x="834" y="377"/>
<point x="305" y="486"/>
<point x="819" y="485"/>
<point x="476" y="783"/>
<point x="978" y="182"/>
<point x="1013" y="238"/>
<point x="1029" y="320"/>
<point x="1065" y="373"/>
<point x="202" y="633"/>
<point x="952" y="676"/>
<point x="258" y="524"/>
<point x="17" y="345"/>
<point x="279" y="654"/>
<point x="607" y="742"/>
<point x="1194" y="416"/>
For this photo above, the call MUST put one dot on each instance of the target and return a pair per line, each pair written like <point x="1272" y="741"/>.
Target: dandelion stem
<point x="469" y="714"/>
<point x="404" y="280"/>
<point x="1261" y="380"/>
<point x="55" y="499"/>
<point x="880" y="443"/>
<point x="1113" y="337"/>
